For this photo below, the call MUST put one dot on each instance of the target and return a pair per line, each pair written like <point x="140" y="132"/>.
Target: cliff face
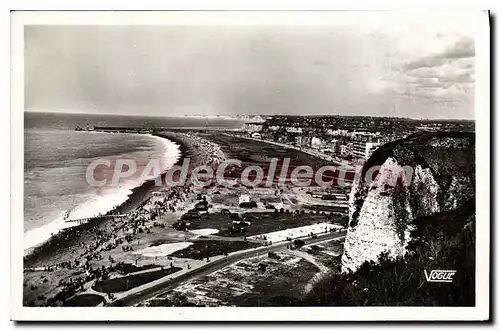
<point x="421" y="175"/>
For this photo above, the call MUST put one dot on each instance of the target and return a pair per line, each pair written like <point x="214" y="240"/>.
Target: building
<point x="364" y="149"/>
<point x="317" y="194"/>
<point x="337" y="132"/>
<point x="298" y="140"/>
<point x="244" y="198"/>
<point x="364" y="135"/>
<point x="316" y="142"/>
<point x="253" y="127"/>
<point x="294" y="129"/>
<point x="303" y="140"/>
<point x="258" y="119"/>
<point x="256" y="135"/>
<point x="364" y="143"/>
<point x="274" y="128"/>
<point x="371" y="147"/>
<point x="346" y="149"/>
<point x="333" y="146"/>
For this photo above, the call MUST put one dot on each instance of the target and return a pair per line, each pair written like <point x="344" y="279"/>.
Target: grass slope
<point x="446" y="241"/>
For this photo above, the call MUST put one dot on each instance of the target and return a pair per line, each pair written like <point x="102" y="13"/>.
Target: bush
<point x="250" y="204"/>
<point x="84" y="300"/>
<point x="298" y="243"/>
<point x="443" y="241"/>
<point x="122" y="284"/>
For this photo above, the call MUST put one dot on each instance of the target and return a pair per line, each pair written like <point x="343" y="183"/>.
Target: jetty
<point x="121" y="129"/>
<point x="85" y="220"/>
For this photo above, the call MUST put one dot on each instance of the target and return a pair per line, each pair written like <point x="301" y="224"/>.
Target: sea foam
<point x="97" y="203"/>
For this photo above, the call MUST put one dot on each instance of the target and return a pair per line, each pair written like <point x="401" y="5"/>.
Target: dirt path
<point x="318" y="276"/>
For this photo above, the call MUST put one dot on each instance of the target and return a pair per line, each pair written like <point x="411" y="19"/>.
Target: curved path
<point x="147" y="291"/>
<point x="318" y="276"/>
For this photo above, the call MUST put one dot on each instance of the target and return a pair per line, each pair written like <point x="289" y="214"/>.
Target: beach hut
<point x="202" y="205"/>
<point x="256" y="135"/>
<point x="244" y="198"/>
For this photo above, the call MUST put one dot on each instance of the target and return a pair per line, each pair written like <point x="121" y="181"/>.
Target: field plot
<point x="252" y="152"/>
<point x="328" y="254"/>
<point x="282" y="285"/>
<point x="202" y="249"/>
<point x="302" y="231"/>
<point x="84" y="300"/>
<point x="325" y="208"/>
<point x="257" y="223"/>
<point x="212" y="221"/>
<point x="128" y="268"/>
<point x="277" y="279"/>
<point x="43" y="283"/>
<point x="227" y="199"/>
<point x="126" y="283"/>
<point x="164" y="249"/>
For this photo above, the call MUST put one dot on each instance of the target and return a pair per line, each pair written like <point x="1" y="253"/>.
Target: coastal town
<point x="180" y="245"/>
<point x="249" y="166"/>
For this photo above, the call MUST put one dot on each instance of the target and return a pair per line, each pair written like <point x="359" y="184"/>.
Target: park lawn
<point x="202" y="249"/>
<point x="128" y="268"/>
<point x="282" y="285"/>
<point x="126" y="283"/>
<point x="84" y="300"/>
<point x="261" y="222"/>
<point x="271" y="222"/>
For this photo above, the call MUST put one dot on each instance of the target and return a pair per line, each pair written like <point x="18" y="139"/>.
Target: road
<point x="211" y="267"/>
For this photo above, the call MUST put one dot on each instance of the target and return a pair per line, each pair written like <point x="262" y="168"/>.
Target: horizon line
<point x="234" y="115"/>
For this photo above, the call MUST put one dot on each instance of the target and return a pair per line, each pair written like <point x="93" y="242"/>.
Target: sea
<point x="56" y="158"/>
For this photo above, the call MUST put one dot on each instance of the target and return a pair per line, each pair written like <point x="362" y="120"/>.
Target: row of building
<point x="359" y="144"/>
<point x="356" y="136"/>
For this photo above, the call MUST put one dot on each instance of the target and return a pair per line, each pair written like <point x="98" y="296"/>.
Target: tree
<point x="298" y="243"/>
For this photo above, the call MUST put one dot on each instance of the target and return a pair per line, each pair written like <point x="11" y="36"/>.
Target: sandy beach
<point x="100" y="243"/>
<point x="146" y="237"/>
<point x="139" y="195"/>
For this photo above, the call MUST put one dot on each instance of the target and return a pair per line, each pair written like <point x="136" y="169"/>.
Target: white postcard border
<point x="482" y="111"/>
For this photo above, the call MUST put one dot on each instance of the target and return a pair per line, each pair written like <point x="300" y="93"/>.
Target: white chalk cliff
<point x="412" y="182"/>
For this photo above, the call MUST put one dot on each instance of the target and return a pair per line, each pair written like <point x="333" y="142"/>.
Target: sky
<point x="417" y="66"/>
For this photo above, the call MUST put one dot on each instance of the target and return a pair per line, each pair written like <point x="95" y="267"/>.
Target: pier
<point x="85" y="220"/>
<point x="115" y="129"/>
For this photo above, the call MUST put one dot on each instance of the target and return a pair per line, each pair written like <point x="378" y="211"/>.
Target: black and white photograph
<point x="334" y="165"/>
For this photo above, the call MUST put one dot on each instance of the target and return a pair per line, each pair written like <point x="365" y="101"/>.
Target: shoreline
<point x="137" y="196"/>
<point x="77" y="253"/>
<point x="38" y="236"/>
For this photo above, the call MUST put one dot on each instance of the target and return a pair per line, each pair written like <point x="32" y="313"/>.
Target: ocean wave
<point x="97" y="204"/>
